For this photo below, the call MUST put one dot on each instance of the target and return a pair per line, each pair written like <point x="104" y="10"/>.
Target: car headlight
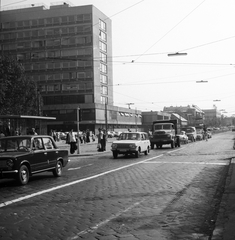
<point x="132" y="146"/>
<point x="114" y="146"/>
<point x="10" y="163"/>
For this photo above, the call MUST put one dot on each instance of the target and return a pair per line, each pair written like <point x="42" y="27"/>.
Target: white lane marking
<point x="4" y="204"/>
<point x="79" y="167"/>
<point x="199" y="163"/>
<point x="95" y="227"/>
<point x="176" y="150"/>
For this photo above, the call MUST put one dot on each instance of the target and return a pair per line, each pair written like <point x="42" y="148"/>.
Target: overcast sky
<point x="144" y="32"/>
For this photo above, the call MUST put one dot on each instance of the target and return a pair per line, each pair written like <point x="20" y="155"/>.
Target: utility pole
<point x="78" y="143"/>
<point x="129" y="105"/>
<point x="106" y="117"/>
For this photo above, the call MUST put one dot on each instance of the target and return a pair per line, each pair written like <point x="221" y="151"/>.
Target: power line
<point x="170" y="30"/>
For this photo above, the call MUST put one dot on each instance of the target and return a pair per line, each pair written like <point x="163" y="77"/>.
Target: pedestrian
<point x="104" y="140"/>
<point x="72" y="141"/>
<point x="34" y="132"/>
<point x="93" y="136"/>
<point x="2" y="134"/>
<point x="87" y="135"/>
<point x="100" y="140"/>
<point x="84" y="136"/>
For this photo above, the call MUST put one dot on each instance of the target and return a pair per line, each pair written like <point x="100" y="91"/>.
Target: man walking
<point x="72" y="141"/>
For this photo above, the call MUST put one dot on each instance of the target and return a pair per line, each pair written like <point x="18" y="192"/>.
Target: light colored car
<point x="183" y="137"/>
<point x="191" y="133"/>
<point x="199" y="135"/>
<point x="131" y="143"/>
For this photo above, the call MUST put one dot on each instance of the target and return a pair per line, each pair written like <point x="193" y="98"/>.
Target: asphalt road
<point x="168" y="194"/>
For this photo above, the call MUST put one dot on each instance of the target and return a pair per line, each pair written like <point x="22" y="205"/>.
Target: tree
<point x="18" y="94"/>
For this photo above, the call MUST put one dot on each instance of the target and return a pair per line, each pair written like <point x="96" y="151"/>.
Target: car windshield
<point x="129" y="136"/>
<point x="188" y="130"/>
<point x="15" y="145"/>
<point x="162" y="126"/>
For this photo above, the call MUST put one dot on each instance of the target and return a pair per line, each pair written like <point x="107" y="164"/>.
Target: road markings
<point x="4" y="204"/>
<point x="100" y="224"/>
<point x="77" y="168"/>
<point x="199" y="163"/>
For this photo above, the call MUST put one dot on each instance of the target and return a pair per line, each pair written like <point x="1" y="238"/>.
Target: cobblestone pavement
<point x="173" y="195"/>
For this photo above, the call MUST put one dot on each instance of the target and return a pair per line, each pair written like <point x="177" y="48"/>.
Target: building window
<point x="87" y="17"/>
<point x="104" y="90"/>
<point x="103" y="57"/>
<point x="48" y="21"/>
<point x="103" y="36"/>
<point x="103" y="68"/>
<point x="103" y="79"/>
<point x="64" y="19"/>
<point x="103" y="46"/>
<point x="103" y="100"/>
<point x="102" y="25"/>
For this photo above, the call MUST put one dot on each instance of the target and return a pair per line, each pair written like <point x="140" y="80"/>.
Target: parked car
<point x="209" y="133"/>
<point x="183" y="137"/>
<point x="199" y="135"/>
<point x="23" y="156"/>
<point x="191" y="133"/>
<point x="110" y="134"/>
<point x="131" y="143"/>
<point x="117" y="134"/>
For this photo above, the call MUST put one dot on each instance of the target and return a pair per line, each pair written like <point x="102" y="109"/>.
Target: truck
<point x="165" y="132"/>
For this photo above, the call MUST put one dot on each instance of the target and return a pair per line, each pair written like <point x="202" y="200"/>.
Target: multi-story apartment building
<point x="67" y="50"/>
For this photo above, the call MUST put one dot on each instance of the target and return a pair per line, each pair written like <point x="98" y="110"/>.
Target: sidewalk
<point x="86" y="149"/>
<point x="225" y="224"/>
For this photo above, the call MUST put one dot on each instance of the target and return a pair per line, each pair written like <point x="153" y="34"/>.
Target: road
<point x="168" y="194"/>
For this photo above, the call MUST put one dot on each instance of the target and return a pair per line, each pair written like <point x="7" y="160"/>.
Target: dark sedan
<point x="23" y="156"/>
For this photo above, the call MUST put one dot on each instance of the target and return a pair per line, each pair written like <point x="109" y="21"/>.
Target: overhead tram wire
<point x="170" y="30"/>
<point x="166" y="82"/>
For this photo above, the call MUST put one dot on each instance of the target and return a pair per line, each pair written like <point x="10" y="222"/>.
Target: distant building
<point x="68" y="51"/>
<point x="193" y="114"/>
<point x="212" y="117"/>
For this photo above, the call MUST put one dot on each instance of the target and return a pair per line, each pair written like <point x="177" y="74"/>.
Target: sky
<point x="144" y="32"/>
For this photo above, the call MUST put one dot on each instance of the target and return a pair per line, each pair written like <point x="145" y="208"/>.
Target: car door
<point x="143" y="142"/>
<point x="51" y="152"/>
<point x="39" y="160"/>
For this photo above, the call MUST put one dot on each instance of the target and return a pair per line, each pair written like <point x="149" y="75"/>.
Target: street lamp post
<point x="78" y="143"/>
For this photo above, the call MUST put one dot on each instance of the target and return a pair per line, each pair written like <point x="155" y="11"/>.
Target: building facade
<point x="212" y="117"/>
<point x="193" y="114"/>
<point x="67" y="50"/>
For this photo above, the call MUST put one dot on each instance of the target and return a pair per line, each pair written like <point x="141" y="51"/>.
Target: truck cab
<point x="164" y="132"/>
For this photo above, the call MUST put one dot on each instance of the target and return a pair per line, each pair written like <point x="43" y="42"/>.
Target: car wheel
<point x="178" y="142"/>
<point x="57" y="172"/>
<point x="172" y="144"/>
<point x="137" y="153"/>
<point x="23" y="175"/>
<point x="115" y="155"/>
<point x="147" y="151"/>
<point x="152" y="145"/>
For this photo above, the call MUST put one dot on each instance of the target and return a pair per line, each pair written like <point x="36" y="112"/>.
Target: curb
<point x="226" y="215"/>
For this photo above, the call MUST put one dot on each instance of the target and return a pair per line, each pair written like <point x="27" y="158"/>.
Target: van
<point x="191" y="133"/>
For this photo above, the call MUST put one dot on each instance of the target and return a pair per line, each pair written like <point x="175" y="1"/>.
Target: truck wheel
<point x="172" y="144"/>
<point x="178" y="141"/>
<point x="152" y="145"/>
